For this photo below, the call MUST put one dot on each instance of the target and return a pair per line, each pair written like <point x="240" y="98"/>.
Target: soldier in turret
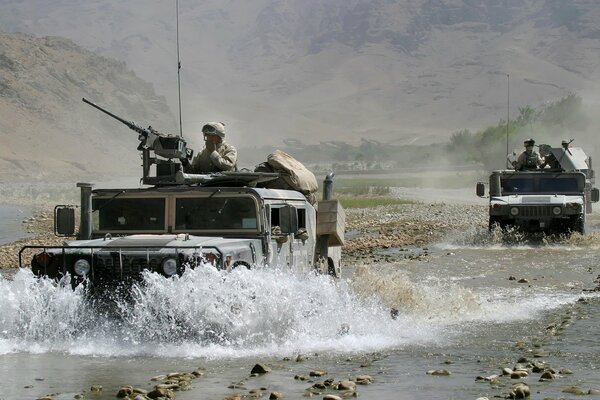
<point x="216" y="156"/>
<point x="529" y="159"/>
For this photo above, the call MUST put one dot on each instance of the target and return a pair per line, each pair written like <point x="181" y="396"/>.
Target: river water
<point x="11" y="222"/>
<point x="458" y="309"/>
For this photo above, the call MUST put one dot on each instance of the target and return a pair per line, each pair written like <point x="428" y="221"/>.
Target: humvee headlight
<point x="556" y="210"/>
<point x="573" y="206"/>
<point x="514" y="211"/>
<point x="81" y="267"/>
<point x="169" y="266"/>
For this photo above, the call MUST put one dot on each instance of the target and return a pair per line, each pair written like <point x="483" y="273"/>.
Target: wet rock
<point x="140" y="391"/>
<point x="540" y="353"/>
<point x="565" y="371"/>
<point x="491" y="378"/>
<point x="319" y="385"/>
<point x="158" y="378"/>
<point x="96" y="388"/>
<point x="197" y="373"/>
<point x="300" y="358"/>
<point x="346" y="385"/>
<point x="331" y="397"/>
<point x="512" y="278"/>
<point x="574" y="390"/>
<point x="235" y="396"/>
<point x="260" y="369"/>
<point x="300" y="378"/>
<point x="594" y="392"/>
<point x="78" y="396"/>
<point x="519" y="374"/>
<point x="438" y="372"/>
<point x="167" y="386"/>
<point x="523" y="280"/>
<point x="317" y="373"/>
<point x="158" y="393"/>
<point x="520" y="390"/>
<point x="546" y="376"/>
<point x="275" y="396"/>
<point x="125" y="391"/>
<point x="363" y="379"/>
<point x="506" y="371"/>
<point x="537" y="367"/>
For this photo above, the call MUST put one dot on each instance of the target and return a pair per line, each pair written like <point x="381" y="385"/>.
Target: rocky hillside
<point x="402" y="71"/>
<point x="48" y="133"/>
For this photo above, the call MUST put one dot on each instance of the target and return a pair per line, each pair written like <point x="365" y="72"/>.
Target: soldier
<point x="529" y="159"/>
<point x="216" y="156"/>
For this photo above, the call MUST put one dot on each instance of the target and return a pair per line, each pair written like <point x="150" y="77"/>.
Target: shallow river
<point x="457" y="310"/>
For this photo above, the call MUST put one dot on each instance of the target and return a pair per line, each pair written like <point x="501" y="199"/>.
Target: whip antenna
<point x="178" y="67"/>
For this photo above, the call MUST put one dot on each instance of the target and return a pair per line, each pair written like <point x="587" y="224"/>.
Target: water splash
<point x="205" y="312"/>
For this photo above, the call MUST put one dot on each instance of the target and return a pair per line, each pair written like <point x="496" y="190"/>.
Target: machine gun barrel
<point x="129" y="124"/>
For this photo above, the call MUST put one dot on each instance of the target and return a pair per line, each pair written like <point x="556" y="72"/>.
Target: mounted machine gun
<point x="168" y="147"/>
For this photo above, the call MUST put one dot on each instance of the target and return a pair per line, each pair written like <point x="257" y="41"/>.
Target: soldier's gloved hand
<point x="184" y="161"/>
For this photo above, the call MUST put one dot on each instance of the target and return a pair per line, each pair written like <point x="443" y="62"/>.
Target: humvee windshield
<point x="549" y="185"/>
<point x="216" y="213"/>
<point x="127" y="214"/>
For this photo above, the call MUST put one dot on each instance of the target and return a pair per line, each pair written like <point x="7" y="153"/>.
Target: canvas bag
<point x="293" y="172"/>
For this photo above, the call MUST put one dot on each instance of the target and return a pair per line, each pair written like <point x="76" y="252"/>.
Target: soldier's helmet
<point x="214" y="128"/>
<point x="529" y="142"/>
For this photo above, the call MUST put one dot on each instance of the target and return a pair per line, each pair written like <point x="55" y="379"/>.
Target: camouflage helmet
<point x="214" y="128"/>
<point x="529" y="142"/>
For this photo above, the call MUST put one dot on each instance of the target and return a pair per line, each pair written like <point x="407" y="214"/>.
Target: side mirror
<point x="64" y="221"/>
<point x="288" y="220"/>
<point x="595" y="195"/>
<point x="480" y="189"/>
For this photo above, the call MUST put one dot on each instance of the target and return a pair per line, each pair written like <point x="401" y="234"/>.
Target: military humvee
<point x="222" y="220"/>
<point x="553" y="199"/>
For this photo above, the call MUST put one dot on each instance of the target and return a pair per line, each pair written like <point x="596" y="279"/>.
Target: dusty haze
<point x="410" y="71"/>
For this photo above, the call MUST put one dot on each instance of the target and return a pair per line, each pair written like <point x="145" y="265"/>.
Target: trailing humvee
<point x="553" y="199"/>
<point x="222" y="220"/>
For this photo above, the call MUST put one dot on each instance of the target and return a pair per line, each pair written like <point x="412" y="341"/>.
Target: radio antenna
<point x="507" y="113"/>
<point x="178" y="67"/>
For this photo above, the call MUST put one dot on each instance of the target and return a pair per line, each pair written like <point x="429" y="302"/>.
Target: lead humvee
<point x="223" y="220"/>
<point x="553" y="199"/>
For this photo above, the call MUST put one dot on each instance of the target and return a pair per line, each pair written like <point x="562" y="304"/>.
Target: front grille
<point x="535" y="212"/>
<point x="115" y="267"/>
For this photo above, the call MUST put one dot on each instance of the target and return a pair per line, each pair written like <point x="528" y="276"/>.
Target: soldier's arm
<point x="225" y="161"/>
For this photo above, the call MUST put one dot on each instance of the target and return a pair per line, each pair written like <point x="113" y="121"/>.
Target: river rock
<point x="260" y="369"/>
<point x="565" y="371"/>
<point x="546" y="376"/>
<point x="275" y="396"/>
<point x="346" y="385"/>
<point x="157" y="393"/>
<point x="96" y="388"/>
<point x="574" y="390"/>
<point x="125" y="391"/>
<point x="506" y="371"/>
<point x="520" y="390"/>
<point x="331" y="397"/>
<point x="317" y="372"/>
<point x="438" y="372"/>
<point x="363" y="379"/>
<point x="519" y="374"/>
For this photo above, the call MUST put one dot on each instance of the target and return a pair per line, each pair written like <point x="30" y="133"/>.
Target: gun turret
<point x="166" y="146"/>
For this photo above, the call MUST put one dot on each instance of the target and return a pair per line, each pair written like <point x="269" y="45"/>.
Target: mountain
<point x="398" y="71"/>
<point x="47" y="132"/>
